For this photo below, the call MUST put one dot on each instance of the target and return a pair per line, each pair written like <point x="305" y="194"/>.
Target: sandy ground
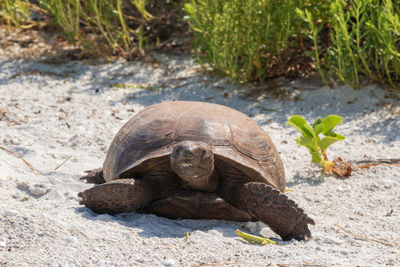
<point x="53" y="113"/>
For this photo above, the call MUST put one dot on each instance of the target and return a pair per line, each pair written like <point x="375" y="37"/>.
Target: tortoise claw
<point x="301" y="231"/>
<point x="275" y="209"/>
<point x="82" y="201"/>
<point x="94" y="176"/>
<point x="310" y="221"/>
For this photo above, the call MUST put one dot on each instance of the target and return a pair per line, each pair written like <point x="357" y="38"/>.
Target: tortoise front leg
<point x="126" y="195"/>
<point x="272" y="207"/>
<point x="94" y="176"/>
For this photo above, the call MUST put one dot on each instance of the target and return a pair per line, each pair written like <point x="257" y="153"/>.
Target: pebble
<point x="2" y="244"/>
<point x="332" y="240"/>
<point x="169" y="262"/>
<point x="10" y="213"/>
<point x="71" y="240"/>
<point x="344" y="188"/>
<point x="22" y="185"/>
<point x="38" y="190"/>
<point x="387" y="183"/>
<point x="96" y="249"/>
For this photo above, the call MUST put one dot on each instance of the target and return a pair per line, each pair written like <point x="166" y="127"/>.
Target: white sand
<point x="51" y="112"/>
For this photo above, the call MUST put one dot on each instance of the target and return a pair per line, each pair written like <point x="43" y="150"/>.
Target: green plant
<point x="243" y="39"/>
<point x="253" y="239"/>
<point x="311" y="140"/>
<point x="356" y="38"/>
<point x="17" y="12"/>
<point x="96" y="20"/>
<point x="100" y="27"/>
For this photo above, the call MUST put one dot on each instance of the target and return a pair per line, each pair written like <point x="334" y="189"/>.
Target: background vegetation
<point x="355" y="41"/>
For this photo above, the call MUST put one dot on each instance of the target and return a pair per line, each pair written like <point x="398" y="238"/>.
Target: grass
<point x="100" y="27"/>
<point x="136" y="86"/>
<point x="94" y="23"/>
<point x="364" y="42"/>
<point x="17" y="13"/>
<point x="242" y="39"/>
<point x="355" y="41"/>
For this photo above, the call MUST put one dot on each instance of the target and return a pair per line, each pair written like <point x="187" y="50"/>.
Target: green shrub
<point x="353" y="38"/>
<point x="364" y="40"/>
<point x="16" y="12"/>
<point x="93" y="22"/>
<point x="247" y="40"/>
<point x="101" y="27"/>
<point x="242" y="38"/>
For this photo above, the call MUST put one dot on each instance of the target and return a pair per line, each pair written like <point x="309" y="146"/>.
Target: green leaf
<point x="301" y="125"/>
<point x="315" y="157"/>
<point x="253" y="239"/>
<point x="318" y="128"/>
<point x="329" y="140"/>
<point x="317" y="122"/>
<point x="306" y="141"/>
<point x="330" y="122"/>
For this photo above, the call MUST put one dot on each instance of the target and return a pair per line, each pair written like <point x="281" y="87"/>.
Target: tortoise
<point x="196" y="160"/>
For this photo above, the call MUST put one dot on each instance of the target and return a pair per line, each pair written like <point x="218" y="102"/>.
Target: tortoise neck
<point x="207" y="183"/>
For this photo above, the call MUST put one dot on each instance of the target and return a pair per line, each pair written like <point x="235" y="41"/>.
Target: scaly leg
<point x="187" y="204"/>
<point x="272" y="207"/>
<point x="126" y="195"/>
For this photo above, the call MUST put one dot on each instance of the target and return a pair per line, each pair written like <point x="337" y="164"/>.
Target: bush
<point x="118" y="27"/>
<point x="243" y="39"/>
<point x="364" y="39"/>
<point x="249" y="40"/>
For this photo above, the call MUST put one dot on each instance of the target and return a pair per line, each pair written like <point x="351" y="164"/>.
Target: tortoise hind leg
<point x="273" y="208"/>
<point x="126" y="195"/>
<point x="187" y="204"/>
<point x="94" y="176"/>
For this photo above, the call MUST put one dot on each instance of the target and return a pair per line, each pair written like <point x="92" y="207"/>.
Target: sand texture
<point x="61" y="117"/>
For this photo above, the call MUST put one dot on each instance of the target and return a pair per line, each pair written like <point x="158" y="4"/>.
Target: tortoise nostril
<point x="188" y="154"/>
<point x="203" y="153"/>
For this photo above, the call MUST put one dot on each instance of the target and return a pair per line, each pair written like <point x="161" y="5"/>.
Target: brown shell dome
<point x="148" y="138"/>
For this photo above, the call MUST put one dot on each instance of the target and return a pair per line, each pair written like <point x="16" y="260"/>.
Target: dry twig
<point x="230" y="263"/>
<point x="16" y="154"/>
<point x="343" y="169"/>
<point x="62" y="163"/>
<point x="364" y="238"/>
<point x="364" y="164"/>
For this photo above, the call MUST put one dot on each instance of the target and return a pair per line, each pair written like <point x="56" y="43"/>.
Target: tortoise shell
<point x="148" y="138"/>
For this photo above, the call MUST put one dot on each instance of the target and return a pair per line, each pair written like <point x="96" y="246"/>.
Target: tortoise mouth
<point x="191" y="170"/>
<point x="191" y="160"/>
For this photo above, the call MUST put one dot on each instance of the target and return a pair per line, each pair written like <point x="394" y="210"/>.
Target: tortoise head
<point x="193" y="162"/>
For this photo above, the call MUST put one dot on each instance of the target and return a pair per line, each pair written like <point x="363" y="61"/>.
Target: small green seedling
<point x="311" y="140"/>
<point x="253" y="239"/>
<point x="136" y="86"/>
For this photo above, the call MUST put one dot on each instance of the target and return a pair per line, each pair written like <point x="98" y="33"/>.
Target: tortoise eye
<point x="203" y="153"/>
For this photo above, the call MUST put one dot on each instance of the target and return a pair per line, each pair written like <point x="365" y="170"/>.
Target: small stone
<point x="344" y="188"/>
<point x="2" y="244"/>
<point x="169" y="262"/>
<point x="22" y="186"/>
<point x="332" y="240"/>
<point x="37" y="190"/>
<point x="25" y="198"/>
<point x="387" y="183"/>
<point x="71" y="240"/>
<point x="10" y="213"/>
